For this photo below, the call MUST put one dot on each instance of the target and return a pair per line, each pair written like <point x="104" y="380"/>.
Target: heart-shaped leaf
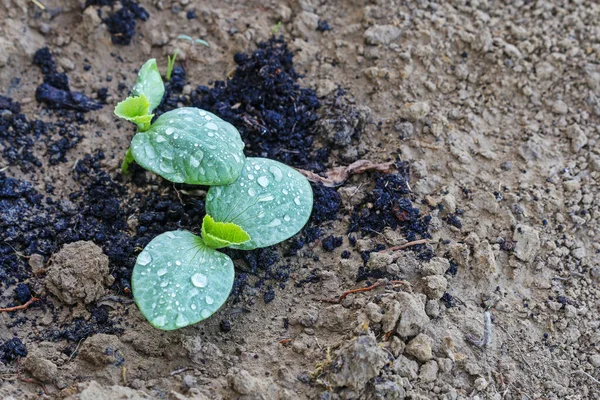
<point x="150" y="84"/>
<point x="222" y="234"/>
<point x="178" y="281"/>
<point x="270" y="201"/>
<point x="189" y="145"/>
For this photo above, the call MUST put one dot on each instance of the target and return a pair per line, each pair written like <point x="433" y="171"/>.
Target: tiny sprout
<point x="180" y="278"/>
<point x="193" y="41"/>
<point x="275" y="28"/>
<point x="171" y="64"/>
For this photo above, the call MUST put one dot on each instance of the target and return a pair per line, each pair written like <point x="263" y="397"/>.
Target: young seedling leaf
<point x="178" y="281"/>
<point x="135" y="109"/>
<point x="192" y="146"/>
<point x="222" y="234"/>
<point x="150" y="84"/>
<point x="270" y="201"/>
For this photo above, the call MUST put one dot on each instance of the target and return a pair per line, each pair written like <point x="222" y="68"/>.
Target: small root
<point x="21" y="307"/>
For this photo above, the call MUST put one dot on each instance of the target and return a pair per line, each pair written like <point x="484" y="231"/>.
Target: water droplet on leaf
<point x="199" y="280"/>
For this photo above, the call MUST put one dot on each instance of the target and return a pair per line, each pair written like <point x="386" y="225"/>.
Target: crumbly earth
<point x="494" y="107"/>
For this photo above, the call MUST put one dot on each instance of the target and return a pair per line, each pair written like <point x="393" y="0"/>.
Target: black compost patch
<point x="55" y="91"/>
<point x="121" y="23"/>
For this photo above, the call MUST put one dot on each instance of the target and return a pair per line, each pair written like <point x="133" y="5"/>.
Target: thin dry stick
<point x="40" y="5"/>
<point x="487" y="332"/>
<point x="21" y="307"/>
<point x="406" y="245"/>
<point x="365" y="289"/>
<point x="588" y="375"/>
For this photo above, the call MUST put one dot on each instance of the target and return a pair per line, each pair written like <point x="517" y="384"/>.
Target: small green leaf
<point x="135" y="109"/>
<point x="222" y="234"/>
<point x="189" y="145"/>
<point x="270" y="201"/>
<point x="185" y="37"/>
<point x="178" y="281"/>
<point x="132" y="107"/>
<point x="150" y="84"/>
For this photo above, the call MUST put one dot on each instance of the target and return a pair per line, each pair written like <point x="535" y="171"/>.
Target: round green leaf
<point x="149" y="83"/>
<point x="270" y="201"/>
<point x="178" y="281"/>
<point x="189" y="145"/>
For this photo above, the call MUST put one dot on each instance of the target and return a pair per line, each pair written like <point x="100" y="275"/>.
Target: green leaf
<point x="150" y="84"/>
<point x="192" y="146"/>
<point x="135" y="109"/>
<point x="222" y="234"/>
<point x="270" y="201"/>
<point x="178" y="281"/>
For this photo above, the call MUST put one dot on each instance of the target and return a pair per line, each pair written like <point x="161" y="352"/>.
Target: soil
<point x="490" y="113"/>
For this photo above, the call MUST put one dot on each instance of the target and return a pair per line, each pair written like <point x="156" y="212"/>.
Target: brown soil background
<point x="504" y="97"/>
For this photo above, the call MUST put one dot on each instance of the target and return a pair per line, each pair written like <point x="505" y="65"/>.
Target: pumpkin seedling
<point x="180" y="278"/>
<point x="187" y="145"/>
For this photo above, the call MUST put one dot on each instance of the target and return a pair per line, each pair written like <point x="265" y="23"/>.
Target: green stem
<point x="126" y="161"/>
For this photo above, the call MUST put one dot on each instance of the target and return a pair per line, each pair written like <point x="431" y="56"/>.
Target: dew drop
<point x="193" y="306"/>
<point x="210" y="134"/>
<point x="149" y="150"/>
<point x="202" y="113"/>
<point x="251" y="192"/>
<point x="170" y="235"/>
<point x="160" y="139"/>
<point x="164" y="284"/>
<point x="193" y="292"/>
<point x="236" y="158"/>
<point x="181" y="320"/>
<point x="194" y="162"/>
<point x="161" y="320"/>
<point x="208" y="118"/>
<point x="178" y="263"/>
<point x="199" y="280"/>
<point x="212" y="125"/>
<point x="205" y="313"/>
<point x="167" y="153"/>
<point x="286" y="218"/>
<point x="169" y="131"/>
<point x="267" y="197"/>
<point x="261" y="214"/>
<point x="277" y="174"/>
<point x="161" y="272"/>
<point x="297" y="200"/>
<point x="166" y="168"/>
<point x="257" y="167"/>
<point x="274" y="223"/>
<point x="250" y="176"/>
<point x="285" y="191"/>
<point x="144" y="258"/>
<point x="209" y="300"/>
<point x="263" y="181"/>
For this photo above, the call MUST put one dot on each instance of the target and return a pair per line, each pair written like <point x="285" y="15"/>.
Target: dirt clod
<point x="357" y="363"/>
<point x="78" y="273"/>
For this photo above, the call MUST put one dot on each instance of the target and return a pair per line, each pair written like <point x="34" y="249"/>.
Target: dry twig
<point x="365" y="289"/>
<point x="338" y="175"/>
